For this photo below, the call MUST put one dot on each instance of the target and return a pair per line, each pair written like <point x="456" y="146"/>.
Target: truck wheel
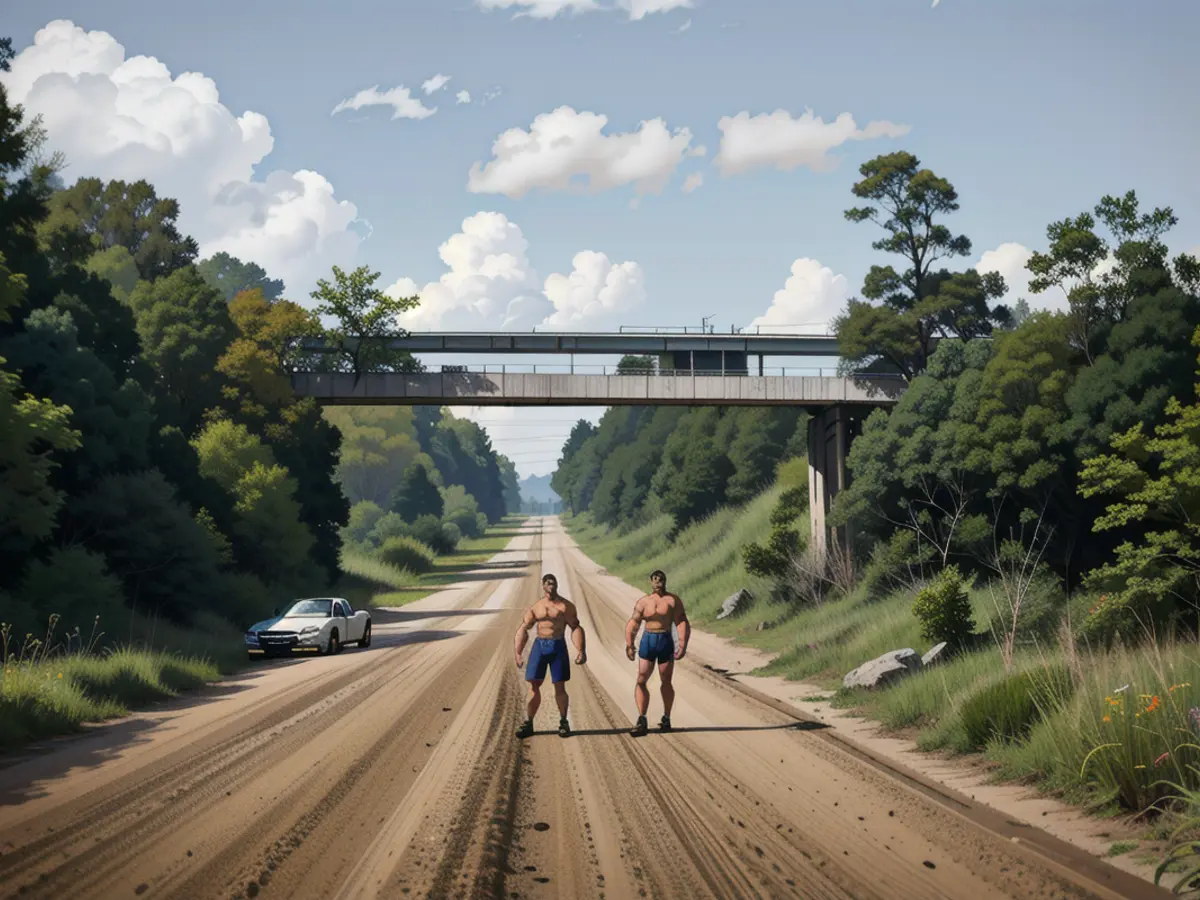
<point x="334" y="647"/>
<point x="366" y="638"/>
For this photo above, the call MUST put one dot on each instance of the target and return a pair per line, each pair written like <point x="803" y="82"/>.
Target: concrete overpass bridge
<point x="689" y="368"/>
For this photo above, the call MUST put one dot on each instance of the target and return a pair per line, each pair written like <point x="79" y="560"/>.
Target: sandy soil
<point x="393" y="772"/>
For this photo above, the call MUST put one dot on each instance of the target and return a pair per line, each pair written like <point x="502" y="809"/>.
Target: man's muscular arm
<point x="578" y="637"/>
<point x="523" y="634"/>
<point x="631" y="628"/>
<point x="684" y="627"/>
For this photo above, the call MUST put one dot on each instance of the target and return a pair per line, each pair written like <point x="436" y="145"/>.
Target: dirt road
<point x="393" y="772"/>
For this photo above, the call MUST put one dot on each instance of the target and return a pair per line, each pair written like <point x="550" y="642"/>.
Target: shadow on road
<point x="700" y="729"/>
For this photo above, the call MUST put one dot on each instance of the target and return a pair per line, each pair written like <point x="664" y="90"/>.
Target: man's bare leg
<point x="561" y="698"/>
<point x="641" y="694"/>
<point x="665" y="673"/>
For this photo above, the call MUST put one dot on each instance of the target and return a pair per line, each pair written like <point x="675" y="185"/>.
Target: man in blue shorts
<point x="659" y="610"/>
<point x="552" y="614"/>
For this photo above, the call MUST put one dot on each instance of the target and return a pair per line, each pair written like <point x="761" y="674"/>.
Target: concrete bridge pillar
<point x="830" y="431"/>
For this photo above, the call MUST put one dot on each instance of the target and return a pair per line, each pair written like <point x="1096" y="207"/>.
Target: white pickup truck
<point x="318" y="625"/>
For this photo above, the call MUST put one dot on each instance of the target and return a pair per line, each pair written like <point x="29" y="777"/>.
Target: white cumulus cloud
<point x="435" y="84"/>
<point x="127" y="118"/>
<point x="490" y="283"/>
<point x="565" y="149"/>
<point x="778" y="140"/>
<point x="404" y="105"/>
<point x="541" y="9"/>
<point x="597" y="289"/>
<point x="462" y="97"/>
<point x="693" y="181"/>
<point x="813" y="296"/>
<point x="639" y="9"/>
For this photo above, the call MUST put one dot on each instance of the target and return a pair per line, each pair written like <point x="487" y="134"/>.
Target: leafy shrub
<point x="75" y="584"/>
<point x="407" y="553"/>
<point x="364" y="516"/>
<point x="1008" y="709"/>
<point x="772" y="561"/>
<point x="390" y="525"/>
<point x="430" y="532"/>
<point x="451" y="534"/>
<point x="944" y="609"/>
<point x="791" y="505"/>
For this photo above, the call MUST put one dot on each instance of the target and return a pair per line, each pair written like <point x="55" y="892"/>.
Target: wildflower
<point x="1153" y="705"/>
<point x="1173" y="688"/>
<point x="1139" y="767"/>
<point x="1161" y="758"/>
<point x="60" y="676"/>
<point x="1108" y="718"/>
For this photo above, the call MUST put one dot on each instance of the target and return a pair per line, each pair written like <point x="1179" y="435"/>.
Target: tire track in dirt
<point x="851" y="851"/>
<point x="90" y="846"/>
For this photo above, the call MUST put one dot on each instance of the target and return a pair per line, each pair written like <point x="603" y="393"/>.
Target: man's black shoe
<point x="564" y="728"/>
<point x="640" y="728"/>
<point x="665" y="724"/>
<point x="526" y="729"/>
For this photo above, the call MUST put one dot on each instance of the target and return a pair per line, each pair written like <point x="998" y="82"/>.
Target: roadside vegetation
<point x="161" y="488"/>
<point x="1030" y="502"/>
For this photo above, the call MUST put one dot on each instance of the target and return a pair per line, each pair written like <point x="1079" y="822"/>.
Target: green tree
<point x="366" y="318"/>
<point x="915" y="306"/>
<point x="167" y="561"/>
<point x="1154" y="486"/>
<point x="461" y="510"/>
<point x="909" y="467"/>
<point x="637" y="365"/>
<point x="416" y="495"/>
<point x="758" y="443"/>
<point x="91" y="215"/>
<point x="271" y="538"/>
<point x="116" y="266"/>
<point x="692" y="478"/>
<point x="230" y="276"/>
<point x="364" y="516"/>
<point x="379" y="443"/>
<point x="185" y="328"/>
<point x="510" y="485"/>
<point x="116" y="419"/>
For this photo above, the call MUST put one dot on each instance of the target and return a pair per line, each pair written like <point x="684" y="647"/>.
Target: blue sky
<point x="1032" y="109"/>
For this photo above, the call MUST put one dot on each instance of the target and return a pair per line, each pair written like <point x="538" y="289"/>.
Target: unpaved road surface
<point x="394" y="772"/>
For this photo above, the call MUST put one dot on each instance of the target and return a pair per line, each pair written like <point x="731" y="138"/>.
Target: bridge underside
<point x="480" y="389"/>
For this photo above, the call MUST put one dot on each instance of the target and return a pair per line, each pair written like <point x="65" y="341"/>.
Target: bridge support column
<point x="830" y="431"/>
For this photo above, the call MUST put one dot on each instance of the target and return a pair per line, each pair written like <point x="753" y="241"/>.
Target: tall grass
<point x="50" y="687"/>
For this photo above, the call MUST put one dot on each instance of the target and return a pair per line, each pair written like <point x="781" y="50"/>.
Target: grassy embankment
<point x="370" y="582"/>
<point x="1103" y="729"/>
<point x="51" y="685"/>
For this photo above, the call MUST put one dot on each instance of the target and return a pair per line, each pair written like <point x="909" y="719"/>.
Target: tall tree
<point x="416" y="495"/>
<point x="366" y="318"/>
<point x="230" y="276"/>
<point x="91" y="215"/>
<point x="185" y="327"/>
<point x="916" y="305"/>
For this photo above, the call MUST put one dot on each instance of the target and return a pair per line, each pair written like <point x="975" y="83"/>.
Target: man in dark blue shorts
<point x="659" y="610"/>
<point x="552" y="614"/>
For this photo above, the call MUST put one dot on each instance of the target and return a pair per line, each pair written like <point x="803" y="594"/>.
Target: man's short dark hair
<point x="549" y="577"/>
<point x="659" y="573"/>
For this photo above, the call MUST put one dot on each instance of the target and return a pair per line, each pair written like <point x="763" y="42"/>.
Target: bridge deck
<point x="610" y="343"/>
<point x="488" y="389"/>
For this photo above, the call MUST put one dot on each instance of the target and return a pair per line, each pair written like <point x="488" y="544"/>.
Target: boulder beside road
<point x="883" y="670"/>
<point x="733" y="603"/>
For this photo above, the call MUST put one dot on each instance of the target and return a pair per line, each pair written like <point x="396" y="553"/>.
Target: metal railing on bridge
<point x="625" y="371"/>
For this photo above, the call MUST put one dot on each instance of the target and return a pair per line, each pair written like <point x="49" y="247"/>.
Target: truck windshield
<point x="316" y="608"/>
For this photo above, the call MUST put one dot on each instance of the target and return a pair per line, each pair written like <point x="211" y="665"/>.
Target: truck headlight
<point x="251" y="638"/>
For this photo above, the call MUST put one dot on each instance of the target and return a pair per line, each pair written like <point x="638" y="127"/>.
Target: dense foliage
<point x="682" y="461"/>
<point x="154" y="462"/>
